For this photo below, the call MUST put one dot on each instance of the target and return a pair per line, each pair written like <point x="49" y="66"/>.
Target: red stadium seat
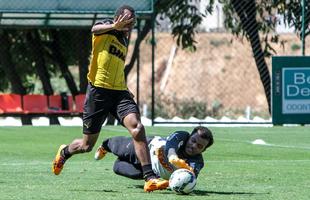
<point x="55" y="104"/>
<point x="10" y="103"/>
<point x="35" y="103"/>
<point x="79" y="102"/>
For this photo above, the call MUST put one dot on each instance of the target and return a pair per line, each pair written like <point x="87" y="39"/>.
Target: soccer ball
<point x="182" y="181"/>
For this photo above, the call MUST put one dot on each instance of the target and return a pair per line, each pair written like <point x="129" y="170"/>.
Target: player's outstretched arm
<point x="177" y="162"/>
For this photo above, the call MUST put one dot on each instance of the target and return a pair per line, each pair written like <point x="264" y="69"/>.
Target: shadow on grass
<point x="90" y="190"/>
<point x="205" y="193"/>
<point x="141" y="187"/>
<point x="138" y="186"/>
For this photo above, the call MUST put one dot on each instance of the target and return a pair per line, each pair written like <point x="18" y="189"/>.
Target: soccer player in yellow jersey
<point x="107" y="93"/>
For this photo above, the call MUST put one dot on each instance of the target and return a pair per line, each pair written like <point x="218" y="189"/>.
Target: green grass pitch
<point x="235" y="168"/>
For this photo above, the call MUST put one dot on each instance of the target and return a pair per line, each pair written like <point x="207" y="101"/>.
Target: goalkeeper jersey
<point x="159" y="150"/>
<point x="107" y="61"/>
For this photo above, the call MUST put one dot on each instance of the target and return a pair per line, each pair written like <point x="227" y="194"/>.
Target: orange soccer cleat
<point x="155" y="184"/>
<point x="59" y="161"/>
<point x="100" y="153"/>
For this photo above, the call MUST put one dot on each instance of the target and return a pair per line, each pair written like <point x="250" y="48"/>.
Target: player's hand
<point x="122" y="22"/>
<point x="179" y="163"/>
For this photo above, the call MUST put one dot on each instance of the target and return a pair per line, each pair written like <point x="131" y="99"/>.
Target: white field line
<point x="267" y="144"/>
<point x="286" y="146"/>
<point x="257" y="161"/>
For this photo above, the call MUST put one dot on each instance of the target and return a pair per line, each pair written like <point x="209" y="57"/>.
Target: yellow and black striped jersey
<point x="107" y="62"/>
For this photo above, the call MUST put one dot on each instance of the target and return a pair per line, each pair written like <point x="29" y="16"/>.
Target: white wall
<point x="212" y="22"/>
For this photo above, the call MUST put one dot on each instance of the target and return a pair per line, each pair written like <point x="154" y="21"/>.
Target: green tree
<point x="36" y="49"/>
<point x="292" y="13"/>
<point x="59" y="48"/>
<point x="241" y="19"/>
<point x="60" y="55"/>
<point x="184" y="17"/>
<point x="7" y="63"/>
<point x="252" y="18"/>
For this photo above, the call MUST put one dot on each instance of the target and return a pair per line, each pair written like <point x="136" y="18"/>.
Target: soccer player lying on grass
<point x="179" y="150"/>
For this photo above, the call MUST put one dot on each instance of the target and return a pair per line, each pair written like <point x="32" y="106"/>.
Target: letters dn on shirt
<point x="116" y="51"/>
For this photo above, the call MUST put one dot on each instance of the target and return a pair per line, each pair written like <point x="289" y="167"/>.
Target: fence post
<point x="303" y="28"/>
<point x="153" y="69"/>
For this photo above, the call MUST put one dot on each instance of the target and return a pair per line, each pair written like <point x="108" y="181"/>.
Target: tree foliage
<point x="269" y="14"/>
<point x="247" y="18"/>
<point x="184" y="17"/>
<point x="60" y="48"/>
<point x="32" y="54"/>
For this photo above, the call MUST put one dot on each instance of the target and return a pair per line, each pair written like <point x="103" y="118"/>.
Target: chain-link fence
<point x="229" y="74"/>
<point x="45" y="45"/>
<point x="45" y="50"/>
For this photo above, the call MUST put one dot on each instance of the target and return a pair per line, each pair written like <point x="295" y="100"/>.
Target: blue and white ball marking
<point x="182" y="181"/>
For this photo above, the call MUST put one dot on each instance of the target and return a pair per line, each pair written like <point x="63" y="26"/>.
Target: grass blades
<point x="235" y="168"/>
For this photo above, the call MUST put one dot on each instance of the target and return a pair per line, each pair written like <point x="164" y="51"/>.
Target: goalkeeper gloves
<point x="179" y="163"/>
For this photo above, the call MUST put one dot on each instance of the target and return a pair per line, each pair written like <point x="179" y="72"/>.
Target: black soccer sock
<point x="148" y="172"/>
<point x="105" y="145"/>
<point x="65" y="152"/>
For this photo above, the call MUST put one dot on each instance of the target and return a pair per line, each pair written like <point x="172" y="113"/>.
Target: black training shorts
<point x="99" y="102"/>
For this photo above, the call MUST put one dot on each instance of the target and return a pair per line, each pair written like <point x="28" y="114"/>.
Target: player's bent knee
<point x="119" y="170"/>
<point x="138" y="133"/>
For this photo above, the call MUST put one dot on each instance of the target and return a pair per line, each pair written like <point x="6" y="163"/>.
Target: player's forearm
<point x="171" y="154"/>
<point x="102" y="28"/>
<point x="176" y="161"/>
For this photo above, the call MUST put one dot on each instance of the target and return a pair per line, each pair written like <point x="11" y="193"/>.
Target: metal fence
<point x="227" y="79"/>
<point x="221" y="78"/>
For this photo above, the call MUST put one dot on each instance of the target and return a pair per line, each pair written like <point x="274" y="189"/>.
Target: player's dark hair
<point x="204" y="133"/>
<point x="121" y="9"/>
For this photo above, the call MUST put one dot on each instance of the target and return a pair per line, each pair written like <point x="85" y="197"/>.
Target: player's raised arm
<point x="100" y="28"/>
<point x="121" y="23"/>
